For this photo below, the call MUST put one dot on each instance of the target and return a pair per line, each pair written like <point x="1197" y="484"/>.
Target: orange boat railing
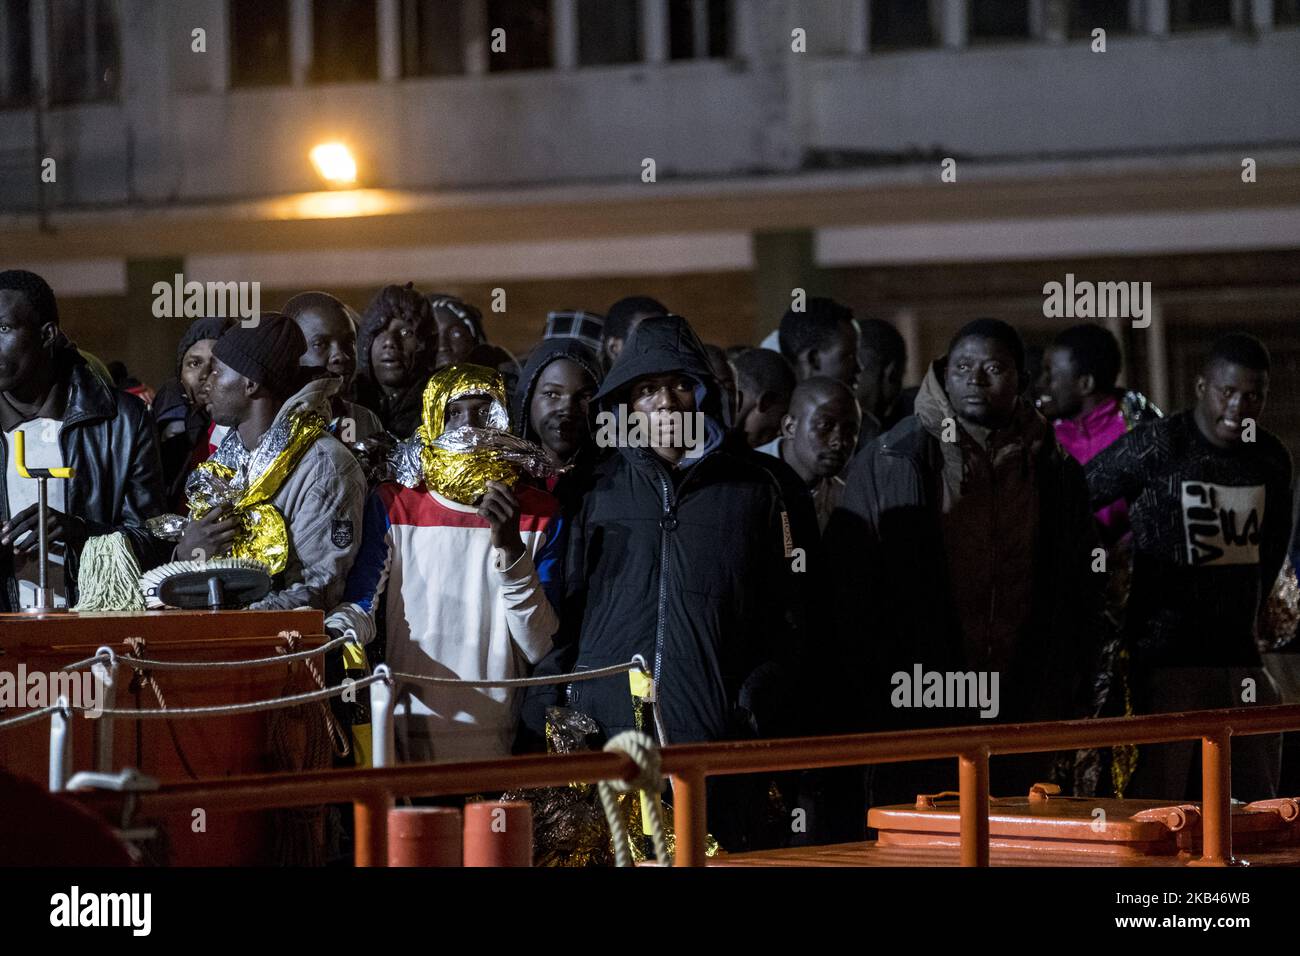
<point x="372" y="790"/>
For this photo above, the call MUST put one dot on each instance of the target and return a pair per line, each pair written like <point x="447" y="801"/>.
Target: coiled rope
<point x="641" y="748"/>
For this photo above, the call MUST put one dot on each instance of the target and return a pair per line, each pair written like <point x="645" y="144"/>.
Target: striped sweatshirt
<point x="428" y="576"/>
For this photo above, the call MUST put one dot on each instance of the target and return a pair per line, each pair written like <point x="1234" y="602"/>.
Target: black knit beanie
<point x="199" y="330"/>
<point x="266" y="354"/>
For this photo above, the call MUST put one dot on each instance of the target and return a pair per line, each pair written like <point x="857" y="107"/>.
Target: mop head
<point x="151" y="582"/>
<point x="106" y="579"/>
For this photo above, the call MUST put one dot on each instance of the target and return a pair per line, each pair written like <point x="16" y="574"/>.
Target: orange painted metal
<point x="1216" y="788"/>
<point x="690" y="812"/>
<point x="499" y="833"/>
<point x="424" y="836"/>
<point x="691" y="764"/>
<point x="370" y="816"/>
<point x="973" y="783"/>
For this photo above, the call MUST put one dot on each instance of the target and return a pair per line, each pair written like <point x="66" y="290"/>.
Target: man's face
<point x="1061" y="387"/>
<point x="228" y="394"/>
<point x="839" y="359"/>
<point x="455" y="341"/>
<point x="658" y="397"/>
<point x="822" y="435"/>
<point x="726" y="378"/>
<point x="331" y="343"/>
<point x="196" y="367"/>
<point x="395" y="353"/>
<point x="558" y="410"/>
<point x="23" y="343"/>
<point x="982" y="382"/>
<point x="879" y="382"/>
<point x="614" y="345"/>
<point x="471" y="410"/>
<point x="1227" y="395"/>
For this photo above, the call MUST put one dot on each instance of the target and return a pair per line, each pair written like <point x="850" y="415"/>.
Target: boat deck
<point x="872" y="854"/>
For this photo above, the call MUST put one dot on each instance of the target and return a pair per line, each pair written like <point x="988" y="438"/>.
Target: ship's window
<point x="432" y="40"/>
<point x="999" y="20"/>
<point x="85" y="52"/>
<point x="698" y="29"/>
<point x="608" y="32"/>
<point x="344" y="39"/>
<point x="15" y="53"/>
<point x="1199" y="14"/>
<point x="900" y="24"/>
<point x="1088" y="15"/>
<point x="259" y="42"/>
<point x="527" y="26"/>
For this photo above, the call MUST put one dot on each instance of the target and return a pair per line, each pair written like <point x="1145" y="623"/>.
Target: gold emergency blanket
<point x="249" y="479"/>
<point x="459" y="464"/>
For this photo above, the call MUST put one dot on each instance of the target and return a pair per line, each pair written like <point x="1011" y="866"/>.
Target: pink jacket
<point x="1084" y="438"/>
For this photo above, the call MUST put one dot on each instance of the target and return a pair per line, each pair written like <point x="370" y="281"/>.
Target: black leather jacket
<point x="108" y="439"/>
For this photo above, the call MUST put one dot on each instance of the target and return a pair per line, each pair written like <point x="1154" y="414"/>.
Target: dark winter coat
<point x="683" y="566"/>
<point x="108" y="439"/>
<point x="892" y="603"/>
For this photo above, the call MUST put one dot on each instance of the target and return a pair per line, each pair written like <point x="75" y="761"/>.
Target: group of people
<point x="819" y="532"/>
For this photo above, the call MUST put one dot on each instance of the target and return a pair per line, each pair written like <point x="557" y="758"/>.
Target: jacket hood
<point x="663" y="344"/>
<point x="660" y="345"/>
<point x="1026" y="435"/>
<point x="546" y="352"/>
<point x="315" y="397"/>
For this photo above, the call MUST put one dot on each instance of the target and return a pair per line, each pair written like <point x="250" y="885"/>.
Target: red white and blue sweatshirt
<point x="428" y="578"/>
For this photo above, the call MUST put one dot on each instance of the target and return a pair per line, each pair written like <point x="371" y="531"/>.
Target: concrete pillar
<point x="1157" y="356"/>
<point x="1155" y="18"/>
<point x="4" y="45"/>
<point x="300" y="41"/>
<point x="388" y="26"/>
<point x="954" y="24"/>
<point x="40" y="51"/>
<point x="654" y="31"/>
<point x="141" y="333"/>
<point x="564" y="34"/>
<point x="857" y="27"/>
<point x="783" y="262"/>
<point x="1259" y="16"/>
<point x="746" y="22"/>
<point x="1049" y="20"/>
<point x="474" y="36"/>
<point x="218" y="27"/>
<point x="909" y="327"/>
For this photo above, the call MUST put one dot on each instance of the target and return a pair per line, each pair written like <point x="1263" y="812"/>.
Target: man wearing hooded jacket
<point x="967" y="533"/>
<point x="678" y="554"/>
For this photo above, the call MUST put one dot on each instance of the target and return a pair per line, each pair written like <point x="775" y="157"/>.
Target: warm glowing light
<point x="335" y="164"/>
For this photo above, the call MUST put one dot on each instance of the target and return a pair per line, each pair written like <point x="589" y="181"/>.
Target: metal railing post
<point x="690" y="816"/>
<point x="381" y="718"/>
<point x="1216" y="799"/>
<point x="60" y="746"/>
<point x="105" y="675"/>
<point x="973" y="784"/>
<point x="370" y="816"/>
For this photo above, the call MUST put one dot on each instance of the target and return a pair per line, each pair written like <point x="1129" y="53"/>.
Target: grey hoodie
<point x="322" y="502"/>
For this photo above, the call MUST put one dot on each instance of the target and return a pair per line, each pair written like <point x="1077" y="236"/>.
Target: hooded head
<point x="463" y="442"/>
<point x="666" y="345"/>
<point x="559" y="416"/>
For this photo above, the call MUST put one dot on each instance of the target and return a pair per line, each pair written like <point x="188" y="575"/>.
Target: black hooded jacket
<point x="684" y="566"/>
<point x="108" y="439"/>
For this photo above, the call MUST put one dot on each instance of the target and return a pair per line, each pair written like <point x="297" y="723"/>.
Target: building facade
<point x="925" y="160"/>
